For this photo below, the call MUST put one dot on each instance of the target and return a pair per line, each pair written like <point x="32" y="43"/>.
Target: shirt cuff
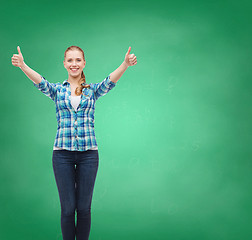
<point x="110" y="83"/>
<point x="41" y="84"/>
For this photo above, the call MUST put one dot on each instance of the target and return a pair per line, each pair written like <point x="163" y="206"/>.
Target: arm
<point x="116" y="75"/>
<point x="18" y="61"/>
<point x="49" y="89"/>
<point x="130" y="60"/>
<point x="34" y="76"/>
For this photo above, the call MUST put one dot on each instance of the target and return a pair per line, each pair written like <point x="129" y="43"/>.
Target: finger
<point x="131" y="56"/>
<point x="14" y="60"/>
<point x="19" y="51"/>
<point x="133" y="61"/>
<point x="128" y="50"/>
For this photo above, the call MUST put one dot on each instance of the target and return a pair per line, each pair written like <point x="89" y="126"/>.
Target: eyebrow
<point x="76" y="58"/>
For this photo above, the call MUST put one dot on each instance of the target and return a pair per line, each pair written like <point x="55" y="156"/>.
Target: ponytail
<point x="82" y="84"/>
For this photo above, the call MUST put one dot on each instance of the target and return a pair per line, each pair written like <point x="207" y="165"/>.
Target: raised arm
<point x="18" y="61"/>
<point x="130" y="60"/>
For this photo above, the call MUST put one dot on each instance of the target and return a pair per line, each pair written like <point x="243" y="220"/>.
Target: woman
<point x="75" y="152"/>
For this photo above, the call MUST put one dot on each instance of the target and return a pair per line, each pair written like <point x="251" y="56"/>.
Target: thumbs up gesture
<point x="130" y="59"/>
<point x="17" y="59"/>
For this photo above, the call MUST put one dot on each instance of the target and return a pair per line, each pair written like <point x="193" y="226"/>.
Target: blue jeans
<point x="75" y="186"/>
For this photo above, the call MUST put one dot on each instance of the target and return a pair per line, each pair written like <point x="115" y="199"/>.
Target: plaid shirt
<point x="75" y="130"/>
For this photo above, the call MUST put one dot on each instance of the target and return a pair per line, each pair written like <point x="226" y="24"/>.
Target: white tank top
<point x="75" y="101"/>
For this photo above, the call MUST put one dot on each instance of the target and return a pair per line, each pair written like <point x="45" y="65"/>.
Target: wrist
<point x="125" y="64"/>
<point x="22" y="66"/>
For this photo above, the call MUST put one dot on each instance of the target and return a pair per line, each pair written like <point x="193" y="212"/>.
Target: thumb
<point x="19" y="52"/>
<point x="128" y="51"/>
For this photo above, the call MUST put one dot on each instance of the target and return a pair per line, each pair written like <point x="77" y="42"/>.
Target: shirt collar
<point x="65" y="82"/>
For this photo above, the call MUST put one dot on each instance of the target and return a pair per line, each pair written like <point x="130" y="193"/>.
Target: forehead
<point x="74" y="54"/>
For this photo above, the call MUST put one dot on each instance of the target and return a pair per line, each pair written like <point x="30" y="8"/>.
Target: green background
<point x="174" y="135"/>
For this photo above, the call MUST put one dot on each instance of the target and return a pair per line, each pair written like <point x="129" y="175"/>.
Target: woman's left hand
<point x="130" y="59"/>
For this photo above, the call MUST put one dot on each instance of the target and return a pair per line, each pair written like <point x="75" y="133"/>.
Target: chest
<point x="68" y="100"/>
<point x="72" y="90"/>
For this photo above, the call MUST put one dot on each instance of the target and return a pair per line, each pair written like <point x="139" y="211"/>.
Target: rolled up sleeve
<point x="47" y="88"/>
<point x="102" y="88"/>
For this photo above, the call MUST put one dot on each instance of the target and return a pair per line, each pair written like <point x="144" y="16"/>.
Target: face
<point x="74" y="63"/>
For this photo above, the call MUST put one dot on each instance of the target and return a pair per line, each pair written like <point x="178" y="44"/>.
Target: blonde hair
<point x="82" y="82"/>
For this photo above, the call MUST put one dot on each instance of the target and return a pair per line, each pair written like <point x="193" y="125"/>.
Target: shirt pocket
<point x="88" y="103"/>
<point x="87" y="93"/>
<point x="62" y="104"/>
<point x="62" y="101"/>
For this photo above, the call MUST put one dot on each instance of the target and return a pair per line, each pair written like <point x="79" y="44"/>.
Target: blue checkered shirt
<point x="75" y="130"/>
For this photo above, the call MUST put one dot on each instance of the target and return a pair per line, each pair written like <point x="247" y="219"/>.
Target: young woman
<point x="75" y="153"/>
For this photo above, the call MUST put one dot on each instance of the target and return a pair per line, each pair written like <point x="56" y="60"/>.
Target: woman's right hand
<point x="17" y="59"/>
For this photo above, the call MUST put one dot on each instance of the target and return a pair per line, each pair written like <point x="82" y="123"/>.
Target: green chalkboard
<point x="174" y="136"/>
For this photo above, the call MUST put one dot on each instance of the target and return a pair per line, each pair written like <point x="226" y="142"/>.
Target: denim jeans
<point x="75" y="174"/>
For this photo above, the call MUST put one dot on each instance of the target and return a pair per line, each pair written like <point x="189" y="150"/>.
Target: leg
<point x="86" y="170"/>
<point x="64" y="172"/>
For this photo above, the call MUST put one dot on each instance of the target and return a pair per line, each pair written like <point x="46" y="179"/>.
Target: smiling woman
<point x="75" y="152"/>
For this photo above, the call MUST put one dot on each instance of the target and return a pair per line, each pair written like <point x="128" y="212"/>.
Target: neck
<point x="73" y="80"/>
